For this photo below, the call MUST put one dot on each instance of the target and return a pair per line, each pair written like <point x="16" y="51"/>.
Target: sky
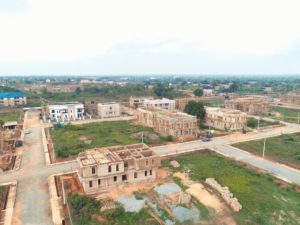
<point x="96" y="37"/>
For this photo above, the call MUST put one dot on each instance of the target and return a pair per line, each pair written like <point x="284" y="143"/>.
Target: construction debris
<point x="225" y="193"/>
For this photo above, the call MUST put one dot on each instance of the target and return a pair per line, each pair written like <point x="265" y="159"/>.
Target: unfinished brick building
<point x="250" y="105"/>
<point x="225" y="119"/>
<point x="102" y="168"/>
<point x="177" y="124"/>
<point x="291" y="98"/>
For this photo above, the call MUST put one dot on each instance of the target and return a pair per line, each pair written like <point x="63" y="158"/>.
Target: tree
<point x="233" y="87"/>
<point x="78" y="91"/>
<point x="196" y="109"/>
<point x="164" y="91"/>
<point x="198" y="92"/>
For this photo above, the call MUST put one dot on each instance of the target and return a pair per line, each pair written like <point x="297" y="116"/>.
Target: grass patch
<point x="253" y="123"/>
<point x="213" y="102"/>
<point x="263" y="200"/>
<point x="11" y="116"/>
<point x="72" y="139"/>
<point x="284" y="148"/>
<point x="285" y="114"/>
<point x="204" y="212"/>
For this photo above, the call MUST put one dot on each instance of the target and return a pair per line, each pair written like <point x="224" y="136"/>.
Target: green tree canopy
<point x="198" y="92"/>
<point x="196" y="109"/>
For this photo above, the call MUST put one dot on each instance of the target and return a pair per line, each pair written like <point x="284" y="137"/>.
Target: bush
<point x="251" y="122"/>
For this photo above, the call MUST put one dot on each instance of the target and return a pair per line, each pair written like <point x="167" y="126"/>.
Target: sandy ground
<point x="197" y="190"/>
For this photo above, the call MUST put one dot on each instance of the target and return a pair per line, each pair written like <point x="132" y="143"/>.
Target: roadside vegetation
<point x="284" y="148"/>
<point x="285" y="114"/>
<point x="253" y="123"/>
<point x="265" y="199"/>
<point x="72" y="139"/>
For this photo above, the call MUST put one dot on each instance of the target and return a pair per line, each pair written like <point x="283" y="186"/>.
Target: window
<point x="124" y="177"/>
<point x="135" y="175"/>
<point x="109" y="169"/>
<point x="117" y="167"/>
<point x="91" y="184"/>
<point x="146" y="173"/>
<point x="93" y="170"/>
<point x="99" y="182"/>
<point x="125" y="164"/>
<point x="115" y="178"/>
<point x="150" y="172"/>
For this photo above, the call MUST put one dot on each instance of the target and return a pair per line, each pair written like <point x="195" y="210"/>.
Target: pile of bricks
<point x="225" y="193"/>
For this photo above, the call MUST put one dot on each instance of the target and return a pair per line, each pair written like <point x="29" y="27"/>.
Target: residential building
<point x="104" y="168"/>
<point x="225" y="119"/>
<point x="208" y="92"/>
<point x="250" y="105"/>
<point x="136" y="102"/>
<point x="65" y="111"/>
<point x="291" y="98"/>
<point x="163" y="103"/>
<point x="12" y="99"/>
<point x="110" y="109"/>
<point x="177" y="124"/>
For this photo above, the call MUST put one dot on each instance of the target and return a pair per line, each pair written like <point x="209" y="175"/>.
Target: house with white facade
<point x="163" y="103"/>
<point x="66" y="111"/>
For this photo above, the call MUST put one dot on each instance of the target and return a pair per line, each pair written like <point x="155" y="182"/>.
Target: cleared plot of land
<point x="284" y="148"/>
<point x="72" y="139"/>
<point x="285" y="114"/>
<point x="264" y="199"/>
<point x="12" y="116"/>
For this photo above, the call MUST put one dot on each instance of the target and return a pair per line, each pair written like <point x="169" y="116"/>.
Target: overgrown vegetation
<point x="264" y="201"/>
<point x="284" y="148"/>
<point x="85" y="211"/>
<point x="72" y="139"/>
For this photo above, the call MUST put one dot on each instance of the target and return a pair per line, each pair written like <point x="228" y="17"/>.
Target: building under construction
<point x="103" y="168"/>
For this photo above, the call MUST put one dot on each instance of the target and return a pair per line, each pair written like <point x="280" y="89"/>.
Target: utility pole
<point x="264" y="148"/>
<point x="258" y="123"/>
<point x="298" y="117"/>
<point x="142" y="137"/>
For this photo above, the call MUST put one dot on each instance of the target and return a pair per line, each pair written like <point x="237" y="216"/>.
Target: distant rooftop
<point x="12" y="95"/>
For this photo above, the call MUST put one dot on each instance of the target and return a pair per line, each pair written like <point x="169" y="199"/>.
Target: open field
<point x="12" y="116"/>
<point x="265" y="200"/>
<point x="213" y="102"/>
<point x="72" y="139"/>
<point x="284" y="149"/>
<point x="286" y="114"/>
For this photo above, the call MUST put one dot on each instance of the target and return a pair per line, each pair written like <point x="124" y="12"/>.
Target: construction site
<point x="170" y="198"/>
<point x="11" y="133"/>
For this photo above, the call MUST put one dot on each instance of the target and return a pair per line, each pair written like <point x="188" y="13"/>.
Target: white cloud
<point x="65" y="30"/>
